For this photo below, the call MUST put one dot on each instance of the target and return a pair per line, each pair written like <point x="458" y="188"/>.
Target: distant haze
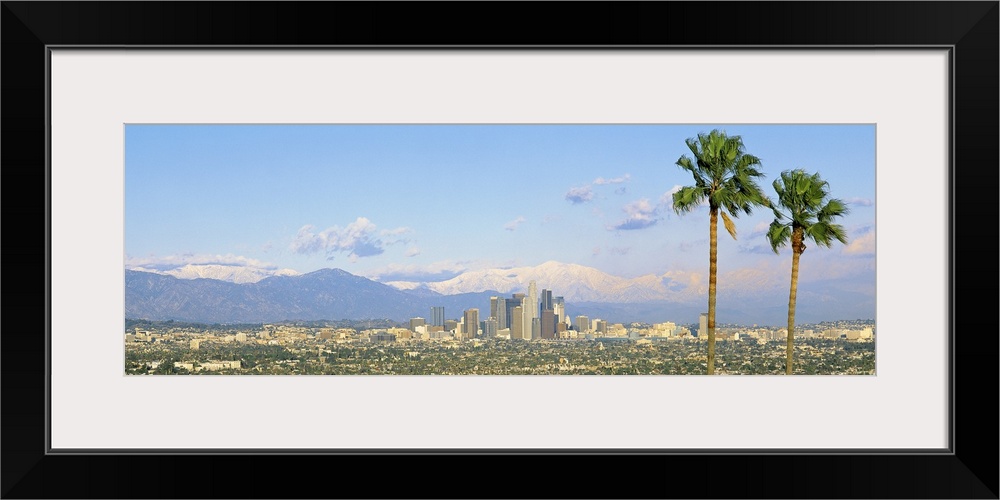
<point x="335" y="294"/>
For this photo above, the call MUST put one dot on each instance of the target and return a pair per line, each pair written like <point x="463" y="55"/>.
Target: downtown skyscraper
<point x="526" y="319"/>
<point x="546" y="301"/>
<point x="547" y="324"/>
<point x="517" y="323"/>
<point x="471" y="324"/>
<point x="533" y="299"/>
<point x="501" y="313"/>
<point x="559" y="309"/>
<point x="437" y="316"/>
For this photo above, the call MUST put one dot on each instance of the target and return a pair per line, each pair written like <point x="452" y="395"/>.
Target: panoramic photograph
<point x="509" y="249"/>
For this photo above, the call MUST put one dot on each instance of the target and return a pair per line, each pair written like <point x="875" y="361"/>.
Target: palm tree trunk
<point x="713" y="264"/>
<point x="797" y="249"/>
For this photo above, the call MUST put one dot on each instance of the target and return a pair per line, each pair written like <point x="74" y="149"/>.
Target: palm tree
<point x="725" y="176"/>
<point x="808" y="213"/>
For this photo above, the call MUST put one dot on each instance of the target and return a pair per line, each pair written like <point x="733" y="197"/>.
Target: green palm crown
<point x="723" y="174"/>
<point x="803" y="203"/>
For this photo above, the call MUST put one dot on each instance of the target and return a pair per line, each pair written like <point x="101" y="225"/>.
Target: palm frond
<point x="753" y="197"/>
<point x="746" y="164"/>
<point x="726" y="197"/>
<point x="730" y="226"/>
<point x="778" y="214"/>
<point x="686" y="164"/>
<point x="688" y="198"/>
<point x="778" y="235"/>
<point x="696" y="146"/>
<point x="801" y="185"/>
<point x="839" y="233"/>
<point x="833" y="208"/>
<point x="779" y="187"/>
<point x="824" y="233"/>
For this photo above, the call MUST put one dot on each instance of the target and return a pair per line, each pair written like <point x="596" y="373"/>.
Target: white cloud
<point x="393" y="236"/>
<point x="863" y="244"/>
<point x="579" y="195"/>
<point x="512" y="225"/>
<point x="435" y="271"/>
<point x="641" y="208"/>
<point x="760" y="229"/>
<point x="412" y="252"/>
<point x="861" y="202"/>
<point x="360" y="238"/>
<point x="761" y="248"/>
<point x="639" y="214"/>
<point x="616" y="180"/>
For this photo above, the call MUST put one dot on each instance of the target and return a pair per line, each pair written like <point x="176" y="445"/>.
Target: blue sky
<point x="410" y="202"/>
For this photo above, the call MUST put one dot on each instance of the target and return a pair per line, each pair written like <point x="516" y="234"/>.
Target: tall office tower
<point x="415" y="322"/>
<point x="493" y="306"/>
<point x="536" y="328"/>
<point x="437" y="316"/>
<point x="548" y="323"/>
<point x="526" y="318"/>
<point x="703" y="325"/>
<point x="546" y="300"/>
<point x="516" y="324"/>
<point x="560" y="311"/>
<point x="512" y="302"/>
<point x="582" y="323"/>
<point x="533" y="295"/>
<point x="490" y="328"/>
<point x="471" y="323"/>
<point x="502" y="313"/>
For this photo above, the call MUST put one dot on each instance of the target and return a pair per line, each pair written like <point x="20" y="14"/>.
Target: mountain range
<point x="336" y="294"/>
<point x="574" y="282"/>
<point x="235" y="274"/>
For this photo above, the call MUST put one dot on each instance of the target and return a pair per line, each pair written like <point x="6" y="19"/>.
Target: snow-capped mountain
<point x="574" y="282"/>
<point x="337" y="294"/>
<point x="233" y="274"/>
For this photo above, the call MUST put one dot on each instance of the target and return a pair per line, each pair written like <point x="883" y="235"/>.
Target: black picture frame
<point x="970" y="29"/>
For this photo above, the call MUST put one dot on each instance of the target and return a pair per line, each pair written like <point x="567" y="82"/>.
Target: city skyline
<point x="425" y="203"/>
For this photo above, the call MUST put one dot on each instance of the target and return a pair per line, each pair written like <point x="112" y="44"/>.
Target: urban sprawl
<point x="524" y="334"/>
